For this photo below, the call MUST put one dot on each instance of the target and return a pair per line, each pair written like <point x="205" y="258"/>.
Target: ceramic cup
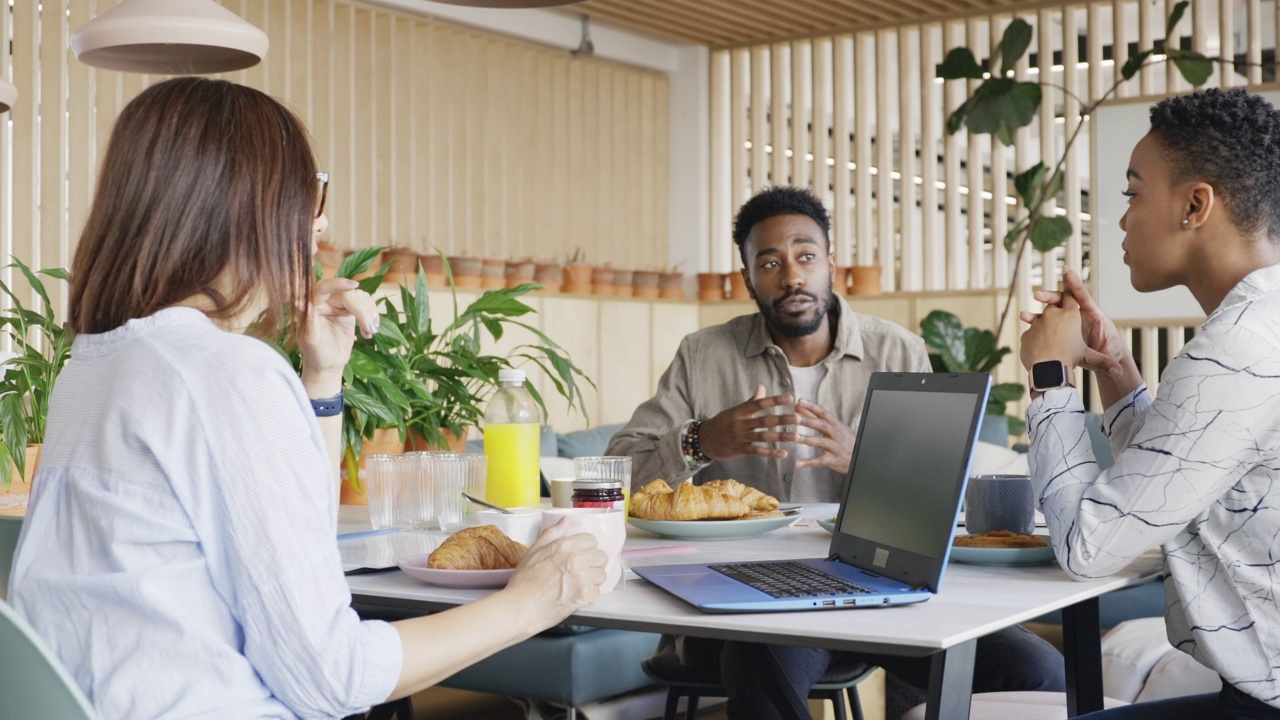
<point x="999" y="502"/>
<point x="523" y="524"/>
<point x="562" y="492"/>
<point x="608" y="526"/>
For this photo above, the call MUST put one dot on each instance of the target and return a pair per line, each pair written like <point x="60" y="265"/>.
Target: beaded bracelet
<point x="694" y="450"/>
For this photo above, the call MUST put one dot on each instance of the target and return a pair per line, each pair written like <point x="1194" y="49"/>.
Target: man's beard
<point x="798" y="328"/>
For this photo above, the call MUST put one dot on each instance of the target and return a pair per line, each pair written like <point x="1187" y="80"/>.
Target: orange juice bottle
<point x="511" y="440"/>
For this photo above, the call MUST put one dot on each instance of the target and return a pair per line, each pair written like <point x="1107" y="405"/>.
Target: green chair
<point x="32" y="682"/>
<point x="9" y="529"/>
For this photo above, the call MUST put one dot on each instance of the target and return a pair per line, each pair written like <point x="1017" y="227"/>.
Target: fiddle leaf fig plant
<point x="1001" y="104"/>
<point x="41" y="347"/>
<point x="955" y="348"/>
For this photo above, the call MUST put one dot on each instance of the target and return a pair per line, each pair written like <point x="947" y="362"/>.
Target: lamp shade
<point x="8" y="95"/>
<point x="171" y="37"/>
<point x="509" y="4"/>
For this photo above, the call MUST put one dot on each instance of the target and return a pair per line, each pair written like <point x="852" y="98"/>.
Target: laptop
<point x="893" y="534"/>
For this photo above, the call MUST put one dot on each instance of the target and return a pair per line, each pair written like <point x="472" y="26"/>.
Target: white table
<point x="974" y="601"/>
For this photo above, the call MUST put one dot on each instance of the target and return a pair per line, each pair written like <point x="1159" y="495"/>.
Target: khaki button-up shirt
<point x="719" y="367"/>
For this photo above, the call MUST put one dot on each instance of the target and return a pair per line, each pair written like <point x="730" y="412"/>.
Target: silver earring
<point x="1186" y="221"/>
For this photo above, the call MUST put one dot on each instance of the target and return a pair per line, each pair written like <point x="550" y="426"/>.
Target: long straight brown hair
<point x="202" y="178"/>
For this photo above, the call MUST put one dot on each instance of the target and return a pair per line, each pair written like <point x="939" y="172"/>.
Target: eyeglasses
<point x="323" y="179"/>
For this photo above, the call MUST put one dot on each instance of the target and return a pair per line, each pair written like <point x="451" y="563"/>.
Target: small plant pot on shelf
<point x="466" y="271"/>
<point x="493" y="274"/>
<point x="384" y="442"/>
<point x="622" y="280"/>
<point x="519" y="272"/>
<point x="549" y="275"/>
<point x="711" y="286"/>
<point x="602" y="281"/>
<point x="840" y="284"/>
<point x="644" y="284"/>
<point x="329" y="257"/>
<point x="577" y="278"/>
<point x="866" y="280"/>
<point x="738" y="286"/>
<point x="671" y="286"/>
<point x="433" y="266"/>
<point x="404" y="266"/>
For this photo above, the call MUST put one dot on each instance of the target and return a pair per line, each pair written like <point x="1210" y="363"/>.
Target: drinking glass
<point x="415" y="508"/>
<point x="613" y="468"/>
<point x="382" y="489"/>
<point x="454" y="474"/>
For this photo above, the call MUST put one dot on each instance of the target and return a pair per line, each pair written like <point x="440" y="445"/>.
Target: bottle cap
<point x="511" y="375"/>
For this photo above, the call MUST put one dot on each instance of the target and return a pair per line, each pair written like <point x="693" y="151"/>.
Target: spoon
<point x="489" y="505"/>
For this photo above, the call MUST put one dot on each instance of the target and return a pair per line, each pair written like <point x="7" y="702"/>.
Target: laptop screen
<point x="908" y="472"/>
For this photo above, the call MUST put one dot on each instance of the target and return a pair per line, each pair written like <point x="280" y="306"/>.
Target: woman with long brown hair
<point x="178" y="553"/>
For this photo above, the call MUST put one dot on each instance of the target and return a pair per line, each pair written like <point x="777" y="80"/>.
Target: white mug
<point x="609" y="528"/>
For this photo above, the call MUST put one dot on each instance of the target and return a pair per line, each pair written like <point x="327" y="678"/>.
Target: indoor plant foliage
<point x="1000" y="105"/>
<point x="955" y="348"/>
<point x="413" y="377"/>
<point x="41" y="346"/>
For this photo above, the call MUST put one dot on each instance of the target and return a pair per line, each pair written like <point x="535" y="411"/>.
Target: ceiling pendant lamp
<point x="8" y="95"/>
<point x="169" y="37"/>
<point x="509" y="4"/>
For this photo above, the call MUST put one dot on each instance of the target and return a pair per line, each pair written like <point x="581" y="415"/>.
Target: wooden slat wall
<point x="434" y="134"/>
<point x="933" y="209"/>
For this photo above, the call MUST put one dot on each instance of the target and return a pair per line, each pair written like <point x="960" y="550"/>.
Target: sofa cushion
<point x="1025" y="705"/>
<point x="586" y="443"/>
<point x="1139" y="664"/>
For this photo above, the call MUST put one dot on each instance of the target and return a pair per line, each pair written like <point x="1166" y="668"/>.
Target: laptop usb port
<point x="847" y="602"/>
<point x="828" y="603"/>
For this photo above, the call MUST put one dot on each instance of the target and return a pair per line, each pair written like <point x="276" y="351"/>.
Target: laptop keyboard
<point x="788" y="579"/>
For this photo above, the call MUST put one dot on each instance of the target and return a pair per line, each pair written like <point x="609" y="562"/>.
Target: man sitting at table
<point x="772" y="399"/>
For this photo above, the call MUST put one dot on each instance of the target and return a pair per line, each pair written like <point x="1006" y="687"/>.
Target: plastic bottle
<point x="511" y="441"/>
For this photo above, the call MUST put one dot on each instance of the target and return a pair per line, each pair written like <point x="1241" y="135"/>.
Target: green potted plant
<point x="41" y="346"/>
<point x="955" y="348"/>
<point x="415" y="380"/>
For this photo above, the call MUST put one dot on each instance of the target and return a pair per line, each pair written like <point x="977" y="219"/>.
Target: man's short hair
<point x="1231" y="140"/>
<point x="775" y="201"/>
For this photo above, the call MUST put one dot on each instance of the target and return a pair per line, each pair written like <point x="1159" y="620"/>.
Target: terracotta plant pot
<point x="493" y="274"/>
<point x="866" y="280"/>
<point x="711" y="286"/>
<point x="644" y="284"/>
<point x="404" y="266"/>
<point x="466" y="270"/>
<point x="329" y="257"/>
<point x="622" y="280"/>
<point x="384" y="442"/>
<point x="519" y="272"/>
<point x="549" y="275"/>
<point x="738" y="286"/>
<point x="433" y="266"/>
<point x="841" y="282"/>
<point x="577" y="278"/>
<point x="602" y="281"/>
<point x="671" y="286"/>
<point x="453" y="443"/>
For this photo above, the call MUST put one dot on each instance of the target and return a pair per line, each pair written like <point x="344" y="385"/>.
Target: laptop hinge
<point x="922" y="586"/>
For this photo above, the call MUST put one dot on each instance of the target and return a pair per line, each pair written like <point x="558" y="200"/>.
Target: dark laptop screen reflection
<point x="904" y="469"/>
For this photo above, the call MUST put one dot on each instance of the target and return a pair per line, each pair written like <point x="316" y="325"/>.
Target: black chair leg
<point x="673" y="700"/>
<point x="855" y="702"/>
<point x="691" y="710"/>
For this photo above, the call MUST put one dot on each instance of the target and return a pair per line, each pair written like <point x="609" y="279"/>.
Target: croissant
<point x="755" y="499"/>
<point x="477" y="548"/>
<point x="657" y="501"/>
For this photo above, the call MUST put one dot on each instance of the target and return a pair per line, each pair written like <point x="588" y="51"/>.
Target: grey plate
<point x="712" y="529"/>
<point x="1002" y="556"/>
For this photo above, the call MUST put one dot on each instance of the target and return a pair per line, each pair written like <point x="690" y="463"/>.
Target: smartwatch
<point x="1049" y="374"/>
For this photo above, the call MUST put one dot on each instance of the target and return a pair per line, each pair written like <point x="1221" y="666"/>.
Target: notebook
<point x="893" y="532"/>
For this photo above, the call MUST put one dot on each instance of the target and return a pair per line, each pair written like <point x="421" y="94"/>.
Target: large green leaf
<point x="1174" y="17"/>
<point x="1134" y="64"/>
<point x="1007" y="392"/>
<point x="1195" y="68"/>
<point x="358" y="261"/>
<point x="958" y="64"/>
<point x="943" y="334"/>
<point x="1029" y="182"/>
<point x="1000" y="106"/>
<point x="1050" y="232"/>
<point x="1016" y="40"/>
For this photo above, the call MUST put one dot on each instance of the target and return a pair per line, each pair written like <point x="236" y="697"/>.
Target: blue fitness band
<point x="328" y="407"/>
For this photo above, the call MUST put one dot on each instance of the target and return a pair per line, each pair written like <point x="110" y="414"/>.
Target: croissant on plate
<point x="756" y="500"/>
<point x="657" y="501"/>
<point x="477" y="548"/>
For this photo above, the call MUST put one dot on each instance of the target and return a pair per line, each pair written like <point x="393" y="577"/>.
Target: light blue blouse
<point x="179" y="552"/>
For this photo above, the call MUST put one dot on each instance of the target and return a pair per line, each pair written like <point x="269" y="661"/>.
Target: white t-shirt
<point x="178" y="554"/>
<point x="804" y="481"/>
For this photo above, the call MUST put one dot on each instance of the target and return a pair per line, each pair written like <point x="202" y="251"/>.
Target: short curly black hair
<point x="775" y="201"/>
<point x="1229" y="139"/>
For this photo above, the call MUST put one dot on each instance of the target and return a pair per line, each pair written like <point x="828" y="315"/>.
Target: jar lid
<point x="600" y="484"/>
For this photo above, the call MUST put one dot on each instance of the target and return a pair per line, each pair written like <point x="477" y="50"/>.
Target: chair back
<point x="9" y="529"/>
<point x="33" y="684"/>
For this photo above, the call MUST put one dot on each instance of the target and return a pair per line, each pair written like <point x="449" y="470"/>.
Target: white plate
<point x="712" y="529"/>
<point x="1002" y="556"/>
<point x="416" y="566"/>
<point x="828" y="524"/>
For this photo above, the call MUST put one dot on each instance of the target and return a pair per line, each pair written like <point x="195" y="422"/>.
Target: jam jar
<point x="598" y="494"/>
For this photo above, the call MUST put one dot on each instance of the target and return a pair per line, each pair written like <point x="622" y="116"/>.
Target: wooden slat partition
<point x="435" y="135"/>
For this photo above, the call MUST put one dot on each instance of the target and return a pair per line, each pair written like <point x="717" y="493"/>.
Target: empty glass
<point x="415" y="505"/>
<point x="452" y="475"/>
<point x="382" y="488"/>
